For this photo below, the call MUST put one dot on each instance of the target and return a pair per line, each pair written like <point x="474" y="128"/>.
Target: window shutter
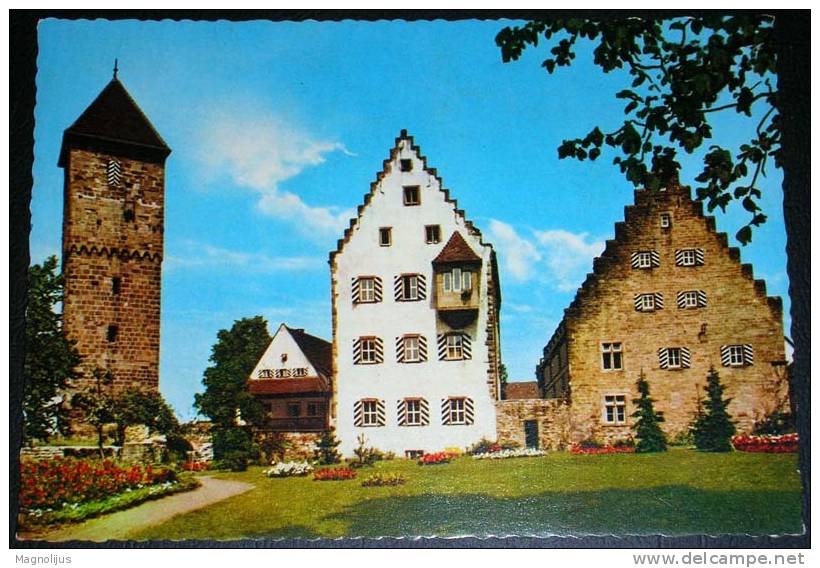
<point x="442" y="346"/>
<point x="379" y="350"/>
<point x="663" y="357"/>
<point x="658" y="301"/>
<point x="114" y="172"/>
<point x="681" y="300"/>
<point x="425" y="412"/>
<point x="401" y="411"/>
<point x="699" y="256"/>
<point x="748" y="354"/>
<point x="638" y="302"/>
<point x="380" y="414"/>
<point x="469" y="412"/>
<point x="422" y="284"/>
<point x="357" y="351"/>
<point x="725" y="355"/>
<point x="701" y="299"/>
<point x="656" y="258"/>
<point x="358" y="414"/>
<point x="377" y="289"/>
<point x="635" y="259"/>
<point x="422" y="348"/>
<point x="445" y="411"/>
<point x="398" y="288"/>
<point x="400" y="349"/>
<point x="685" y="358"/>
<point x="355" y="290"/>
<point x="679" y="257"/>
<point x="466" y="346"/>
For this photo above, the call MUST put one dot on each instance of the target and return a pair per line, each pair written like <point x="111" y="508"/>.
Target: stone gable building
<point x="113" y="219"/>
<point x="416" y="300"/>
<point x="670" y="298"/>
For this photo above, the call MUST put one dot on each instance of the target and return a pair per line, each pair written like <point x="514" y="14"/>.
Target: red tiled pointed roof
<point x="318" y="351"/>
<point x="456" y="250"/>
<point x="114" y="118"/>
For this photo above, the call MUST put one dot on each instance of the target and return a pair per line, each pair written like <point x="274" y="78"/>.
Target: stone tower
<point x="113" y="219"/>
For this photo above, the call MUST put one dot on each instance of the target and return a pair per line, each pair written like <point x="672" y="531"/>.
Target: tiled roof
<point x="288" y="386"/>
<point x="456" y="250"/>
<point x="318" y="351"/>
<point x="114" y="117"/>
<point x="523" y="390"/>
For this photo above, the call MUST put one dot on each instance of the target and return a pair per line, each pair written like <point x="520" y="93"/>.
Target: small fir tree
<point x="325" y="451"/>
<point x="713" y="428"/>
<point x="647" y="426"/>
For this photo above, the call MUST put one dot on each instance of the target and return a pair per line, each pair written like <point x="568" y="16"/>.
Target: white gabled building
<point x="416" y="300"/>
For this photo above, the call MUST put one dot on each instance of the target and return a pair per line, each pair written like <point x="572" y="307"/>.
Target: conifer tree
<point x="713" y="428"/>
<point x="650" y="436"/>
<point x="325" y="451"/>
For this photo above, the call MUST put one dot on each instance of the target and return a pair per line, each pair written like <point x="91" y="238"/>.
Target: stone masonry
<point x="732" y="309"/>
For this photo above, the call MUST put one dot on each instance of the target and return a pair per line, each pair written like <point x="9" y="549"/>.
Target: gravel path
<point x="117" y="525"/>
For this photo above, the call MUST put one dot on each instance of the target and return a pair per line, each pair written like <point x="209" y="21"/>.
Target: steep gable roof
<point x="456" y="250"/>
<point x="114" y="118"/>
<point x="318" y="351"/>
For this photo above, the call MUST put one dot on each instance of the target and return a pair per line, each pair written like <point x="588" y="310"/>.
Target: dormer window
<point x="412" y="195"/>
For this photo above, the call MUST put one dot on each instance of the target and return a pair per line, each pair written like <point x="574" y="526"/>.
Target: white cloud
<point x="259" y="150"/>
<point x="198" y="255"/>
<point x="556" y="256"/>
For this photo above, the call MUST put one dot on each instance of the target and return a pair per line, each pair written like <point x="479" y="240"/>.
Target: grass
<point x="82" y="511"/>
<point x="679" y="492"/>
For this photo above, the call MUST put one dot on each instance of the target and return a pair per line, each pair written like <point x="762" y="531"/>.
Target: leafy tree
<point x="234" y="356"/>
<point x="50" y="359"/>
<point x="325" y="452"/>
<point x="97" y="404"/>
<point x="647" y="426"/>
<point x="682" y="72"/>
<point x="713" y="428"/>
<point x="139" y="407"/>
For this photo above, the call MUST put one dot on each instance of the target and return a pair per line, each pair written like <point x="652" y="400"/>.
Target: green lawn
<point x="680" y="492"/>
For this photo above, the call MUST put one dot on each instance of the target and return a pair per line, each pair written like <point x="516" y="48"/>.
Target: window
<point x="737" y="355"/>
<point x="410" y="288"/>
<point x="116" y="285"/>
<point x="457" y="410"/>
<point x="313" y="409"/>
<point x="645" y="259"/>
<point x="454" y="347"/>
<point x="406" y="165"/>
<point x="666" y="220"/>
<point x="366" y="289"/>
<point x="294" y="409"/>
<point x="367" y="351"/>
<point x="112" y="332"/>
<point x="412" y="195"/>
<point x="128" y="216"/>
<point x="299" y="372"/>
<point x="648" y="302"/>
<point x="688" y="299"/>
<point x="370" y="413"/>
<point x="458" y="280"/>
<point x="674" y="358"/>
<point x="385" y="236"/>
<point x="432" y="234"/>
<point x="413" y="412"/>
<point x="411" y="349"/>
<point x="612" y="356"/>
<point x="615" y="409"/>
<point x="689" y="257"/>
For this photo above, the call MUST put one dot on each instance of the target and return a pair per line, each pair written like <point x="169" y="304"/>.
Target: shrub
<point x="178" y="446"/>
<point x="786" y="443"/>
<point x="365" y="456"/>
<point x="334" y="474"/>
<point x="683" y="438"/>
<point x="325" y="452"/>
<point x="484" y="446"/>
<point x="233" y="448"/>
<point x="289" y="469"/>
<point x="435" y="459"/>
<point x="384" y="479"/>
<point x="589" y="443"/>
<point x="504" y="454"/>
<point x="775" y="424"/>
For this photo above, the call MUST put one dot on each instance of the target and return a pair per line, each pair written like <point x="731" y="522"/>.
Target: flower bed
<point x="786" y="443"/>
<point x="579" y="449"/>
<point x="435" y="459"/>
<point x="334" y="474"/>
<point x="383" y="480"/>
<point x="195" y="466"/>
<point x="289" y="469"/>
<point x="50" y="484"/>
<point x="504" y="454"/>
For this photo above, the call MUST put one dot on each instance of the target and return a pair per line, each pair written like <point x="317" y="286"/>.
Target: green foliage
<point x="234" y="356"/>
<point x="683" y="438"/>
<point x="97" y="404"/>
<point x="136" y="406"/>
<point x="325" y="452"/>
<point x="50" y="359"/>
<point x="365" y="456"/>
<point x="233" y="448"/>
<point x="503" y="377"/>
<point x="178" y="446"/>
<point x="713" y="427"/>
<point x="775" y="424"/>
<point x="272" y="447"/>
<point x="682" y="71"/>
<point x="647" y="426"/>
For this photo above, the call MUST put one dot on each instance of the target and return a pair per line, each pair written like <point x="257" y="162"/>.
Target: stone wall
<point x="286" y="446"/>
<point x="553" y="417"/>
<point x="112" y="256"/>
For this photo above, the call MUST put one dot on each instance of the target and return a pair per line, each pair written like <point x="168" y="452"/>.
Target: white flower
<point x="288" y="469"/>
<point x="519" y="453"/>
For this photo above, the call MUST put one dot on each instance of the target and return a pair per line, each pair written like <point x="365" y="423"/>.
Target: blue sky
<point x="277" y="130"/>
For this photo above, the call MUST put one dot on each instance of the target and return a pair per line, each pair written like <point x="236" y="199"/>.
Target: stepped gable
<point x="317" y="350"/>
<point x="114" y="121"/>
<point x="386" y="168"/>
<point x="642" y="199"/>
<point x="456" y="250"/>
